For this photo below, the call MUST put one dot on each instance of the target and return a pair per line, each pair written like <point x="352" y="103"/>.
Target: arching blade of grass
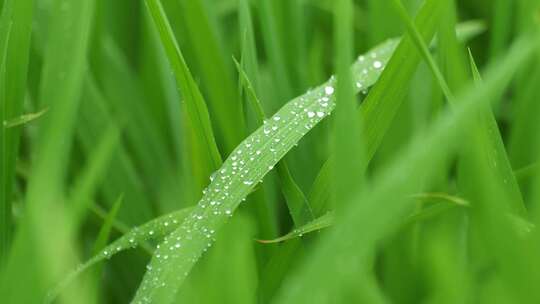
<point x="15" y="31"/>
<point x="155" y="229"/>
<point x="312" y="281"/>
<point x="296" y="201"/>
<point x="193" y="99"/>
<point x="246" y="166"/>
<point x="489" y="139"/>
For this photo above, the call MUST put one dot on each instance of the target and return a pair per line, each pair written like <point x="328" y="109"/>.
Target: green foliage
<point x="140" y="162"/>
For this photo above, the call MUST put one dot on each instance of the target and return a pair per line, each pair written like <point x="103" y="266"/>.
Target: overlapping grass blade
<point x="375" y="222"/>
<point x="489" y="139"/>
<point x="245" y="167"/>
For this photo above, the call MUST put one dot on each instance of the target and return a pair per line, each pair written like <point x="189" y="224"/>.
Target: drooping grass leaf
<point x="246" y="166"/>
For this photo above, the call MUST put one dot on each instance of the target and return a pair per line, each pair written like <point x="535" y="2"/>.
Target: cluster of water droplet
<point x="245" y="167"/>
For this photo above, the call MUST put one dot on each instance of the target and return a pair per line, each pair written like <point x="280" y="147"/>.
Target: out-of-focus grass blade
<point x="105" y="230"/>
<point x="347" y="144"/>
<point x="15" y="31"/>
<point x="327" y="220"/>
<point x="296" y="201"/>
<point x="320" y="276"/>
<point x="193" y="99"/>
<point x="44" y="239"/>
<point x="379" y="108"/>
<point x="155" y="229"/>
<point x="491" y="141"/>
<point x="24" y="119"/>
<point x="315" y="225"/>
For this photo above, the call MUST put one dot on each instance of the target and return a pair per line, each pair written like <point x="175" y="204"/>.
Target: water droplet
<point x="277" y="118"/>
<point x="248" y="183"/>
<point x="320" y="114"/>
<point x="311" y="114"/>
<point x="377" y="64"/>
<point x="329" y="90"/>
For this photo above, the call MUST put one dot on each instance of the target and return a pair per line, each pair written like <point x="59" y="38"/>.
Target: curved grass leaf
<point x="155" y="229"/>
<point x="317" y="224"/>
<point x="327" y="220"/>
<point x="245" y="167"/>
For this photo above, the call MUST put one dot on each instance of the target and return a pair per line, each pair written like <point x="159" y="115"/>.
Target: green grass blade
<point x="156" y="229"/>
<point x="193" y="99"/>
<point x="15" y="31"/>
<point x="297" y="203"/>
<point x="105" y="230"/>
<point x="489" y="139"/>
<point x="245" y="167"/>
<point x="317" y="224"/>
<point x="24" y="119"/>
<point x="347" y="144"/>
<point x="45" y="237"/>
<point x="215" y="71"/>
<point x="311" y="281"/>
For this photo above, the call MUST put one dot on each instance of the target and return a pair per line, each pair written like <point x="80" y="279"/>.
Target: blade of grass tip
<point x="155" y="229"/>
<point x="24" y="119"/>
<point x="15" y="32"/>
<point x="249" y="48"/>
<point x="317" y="224"/>
<point x="193" y="99"/>
<point x="42" y="241"/>
<point x="491" y="140"/>
<point x="319" y="276"/>
<point x="296" y="201"/>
